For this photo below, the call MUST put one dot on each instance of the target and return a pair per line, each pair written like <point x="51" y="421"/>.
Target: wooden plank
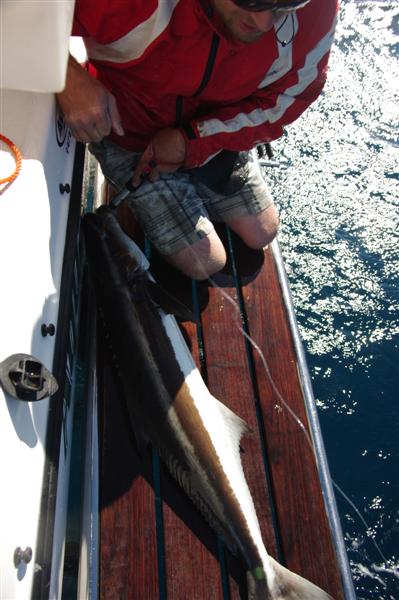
<point x="304" y="530"/>
<point x="229" y="380"/>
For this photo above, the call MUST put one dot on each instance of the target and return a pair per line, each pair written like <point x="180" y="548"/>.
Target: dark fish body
<point x="196" y="435"/>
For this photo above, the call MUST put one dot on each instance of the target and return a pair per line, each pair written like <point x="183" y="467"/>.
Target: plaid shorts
<point x="176" y="211"/>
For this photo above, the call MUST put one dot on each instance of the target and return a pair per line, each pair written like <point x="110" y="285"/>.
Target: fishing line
<point x="255" y="346"/>
<point x="238" y="323"/>
<point x="258" y="350"/>
<point x="262" y="358"/>
<point x="363" y="520"/>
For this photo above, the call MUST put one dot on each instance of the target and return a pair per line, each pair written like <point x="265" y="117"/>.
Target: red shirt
<point x="170" y="63"/>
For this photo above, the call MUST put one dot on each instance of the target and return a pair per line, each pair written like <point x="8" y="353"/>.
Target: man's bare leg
<point x="202" y="259"/>
<point x="257" y="231"/>
<point x="208" y="256"/>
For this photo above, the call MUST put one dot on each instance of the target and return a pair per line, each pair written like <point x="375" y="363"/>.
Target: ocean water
<point x="339" y="205"/>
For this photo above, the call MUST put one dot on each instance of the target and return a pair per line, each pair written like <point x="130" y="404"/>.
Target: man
<point x="175" y="83"/>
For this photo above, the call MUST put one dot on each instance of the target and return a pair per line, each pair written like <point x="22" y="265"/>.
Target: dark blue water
<point x="339" y="205"/>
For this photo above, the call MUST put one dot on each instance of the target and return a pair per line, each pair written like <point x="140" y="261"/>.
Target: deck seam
<point x="256" y="396"/>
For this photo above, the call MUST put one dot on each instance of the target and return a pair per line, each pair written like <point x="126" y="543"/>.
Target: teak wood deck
<point x="154" y="543"/>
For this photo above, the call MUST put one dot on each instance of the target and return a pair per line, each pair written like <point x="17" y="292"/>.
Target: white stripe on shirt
<point x="134" y="43"/>
<point x="285" y="29"/>
<point x="306" y="75"/>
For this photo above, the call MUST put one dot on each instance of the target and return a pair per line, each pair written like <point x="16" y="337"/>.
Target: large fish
<point x="196" y="435"/>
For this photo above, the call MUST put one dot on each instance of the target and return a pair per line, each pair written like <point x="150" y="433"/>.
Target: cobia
<point x="196" y="435"/>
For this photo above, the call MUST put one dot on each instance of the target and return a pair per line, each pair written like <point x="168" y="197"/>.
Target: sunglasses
<point x="277" y="6"/>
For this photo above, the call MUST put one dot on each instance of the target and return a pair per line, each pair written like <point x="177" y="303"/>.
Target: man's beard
<point x="237" y="34"/>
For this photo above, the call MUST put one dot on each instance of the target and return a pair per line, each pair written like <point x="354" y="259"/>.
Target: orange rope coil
<point x="18" y="159"/>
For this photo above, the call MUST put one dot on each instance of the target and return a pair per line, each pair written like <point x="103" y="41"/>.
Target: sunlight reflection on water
<point x="339" y="208"/>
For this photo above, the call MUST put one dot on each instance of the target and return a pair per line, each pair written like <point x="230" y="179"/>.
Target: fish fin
<point x="237" y="426"/>
<point x="286" y="585"/>
<point x="169" y="304"/>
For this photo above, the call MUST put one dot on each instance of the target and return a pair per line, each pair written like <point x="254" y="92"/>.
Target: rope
<point x="18" y="160"/>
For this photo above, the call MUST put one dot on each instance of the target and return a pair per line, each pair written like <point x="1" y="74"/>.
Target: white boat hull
<point x="33" y="223"/>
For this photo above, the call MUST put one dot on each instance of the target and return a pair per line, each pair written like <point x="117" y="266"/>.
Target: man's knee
<point x="201" y="260"/>
<point x="257" y="231"/>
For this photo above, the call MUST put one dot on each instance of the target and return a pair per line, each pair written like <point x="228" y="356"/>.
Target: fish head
<point x="108" y="243"/>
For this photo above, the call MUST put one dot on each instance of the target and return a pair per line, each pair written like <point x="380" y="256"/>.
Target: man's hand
<point x="89" y="108"/>
<point x="165" y="153"/>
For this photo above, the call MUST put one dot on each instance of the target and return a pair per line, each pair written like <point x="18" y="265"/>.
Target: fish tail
<point x="286" y="586"/>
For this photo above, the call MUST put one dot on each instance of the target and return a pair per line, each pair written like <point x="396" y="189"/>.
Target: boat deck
<point x="154" y="543"/>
